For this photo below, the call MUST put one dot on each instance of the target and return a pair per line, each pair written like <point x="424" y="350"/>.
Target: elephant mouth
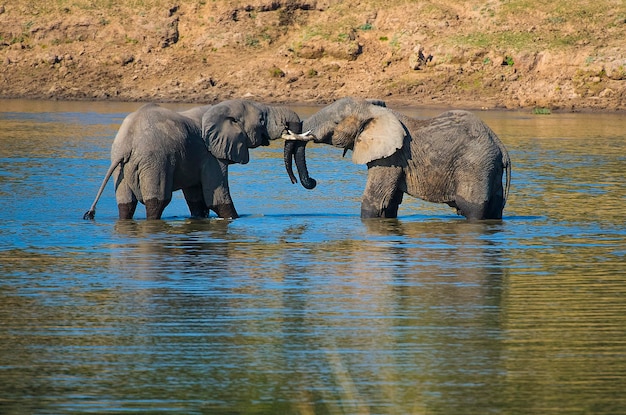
<point x="294" y="150"/>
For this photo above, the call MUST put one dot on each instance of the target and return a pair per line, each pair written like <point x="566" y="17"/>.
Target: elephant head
<point x="229" y="130"/>
<point x="366" y="127"/>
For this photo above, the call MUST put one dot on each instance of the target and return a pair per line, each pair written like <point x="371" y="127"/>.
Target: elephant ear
<point x="225" y="138"/>
<point x="382" y="135"/>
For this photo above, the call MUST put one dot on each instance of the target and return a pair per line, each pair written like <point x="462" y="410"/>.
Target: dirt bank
<point x="494" y="54"/>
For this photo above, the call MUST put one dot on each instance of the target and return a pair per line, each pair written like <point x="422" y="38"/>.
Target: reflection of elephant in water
<point x="159" y="151"/>
<point x="453" y="158"/>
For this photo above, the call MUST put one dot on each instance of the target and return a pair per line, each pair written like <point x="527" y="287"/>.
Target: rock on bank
<point x="443" y="53"/>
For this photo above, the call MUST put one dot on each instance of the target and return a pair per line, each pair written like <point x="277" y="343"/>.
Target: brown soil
<point x="447" y="53"/>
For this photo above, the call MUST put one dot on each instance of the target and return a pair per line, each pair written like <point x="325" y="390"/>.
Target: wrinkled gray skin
<point x="229" y="129"/>
<point x="453" y="158"/>
<point x="158" y="151"/>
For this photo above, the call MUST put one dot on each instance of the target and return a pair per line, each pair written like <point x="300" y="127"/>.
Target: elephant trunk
<point x="303" y="172"/>
<point x="288" y="153"/>
<point x="295" y="149"/>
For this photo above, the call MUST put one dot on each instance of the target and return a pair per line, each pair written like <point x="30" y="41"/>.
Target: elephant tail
<point x="507" y="186"/>
<point x="91" y="213"/>
<point x="506" y="164"/>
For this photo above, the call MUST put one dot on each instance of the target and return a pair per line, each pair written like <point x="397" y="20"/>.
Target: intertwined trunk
<point x="295" y="150"/>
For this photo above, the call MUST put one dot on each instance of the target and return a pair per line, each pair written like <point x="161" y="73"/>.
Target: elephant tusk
<point x="290" y="135"/>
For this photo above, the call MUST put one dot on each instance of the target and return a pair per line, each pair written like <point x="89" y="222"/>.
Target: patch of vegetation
<point x="541" y="111"/>
<point x="343" y="37"/>
<point x="556" y="19"/>
<point x="409" y="83"/>
<point x="517" y="41"/>
<point x="395" y="41"/>
<point x="471" y="84"/>
<point x="276" y="72"/>
<point x="251" y="42"/>
<point x="569" y="40"/>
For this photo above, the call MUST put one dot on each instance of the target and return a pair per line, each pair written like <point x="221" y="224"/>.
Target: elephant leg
<point x="481" y="199"/>
<point x="126" y="199"/>
<point x="155" y="208"/>
<point x="496" y="202"/>
<point x="382" y="195"/>
<point x="126" y="210"/>
<point x="195" y="201"/>
<point x="156" y="183"/>
<point x="216" y="191"/>
<point x="391" y="211"/>
<point x="226" y="211"/>
<point x="471" y="210"/>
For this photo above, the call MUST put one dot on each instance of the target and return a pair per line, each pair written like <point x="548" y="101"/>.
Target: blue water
<point x="299" y="306"/>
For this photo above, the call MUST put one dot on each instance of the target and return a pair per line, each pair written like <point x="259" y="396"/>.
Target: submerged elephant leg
<point x="391" y="211"/>
<point x="155" y="208"/>
<point x="195" y="202"/>
<point x="226" y="211"/>
<point x="496" y="202"/>
<point x="156" y="184"/>
<point x="215" y="189"/>
<point x="382" y="195"/>
<point x="490" y="209"/>
<point x="126" y="210"/>
<point x="479" y="199"/>
<point x="126" y="200"/>
<point x="494" y="208"/>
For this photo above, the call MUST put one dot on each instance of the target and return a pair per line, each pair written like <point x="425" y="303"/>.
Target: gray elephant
<point x="158" y="151"/>
<point x="453" y="158"/>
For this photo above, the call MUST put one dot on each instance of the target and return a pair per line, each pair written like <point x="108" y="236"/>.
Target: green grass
<point x="541" y="111"/>
<point x="515" y="41"/>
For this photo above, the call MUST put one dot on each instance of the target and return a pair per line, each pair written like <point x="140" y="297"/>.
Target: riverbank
<point x="513" y="55"/>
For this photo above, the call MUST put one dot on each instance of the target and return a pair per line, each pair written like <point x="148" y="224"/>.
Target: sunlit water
<point x="299" y="306"/>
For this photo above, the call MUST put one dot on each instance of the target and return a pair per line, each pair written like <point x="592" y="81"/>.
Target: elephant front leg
<point x="382" y="195"/>
<point x="225" y="211"/>
<point x="215" y="189"/>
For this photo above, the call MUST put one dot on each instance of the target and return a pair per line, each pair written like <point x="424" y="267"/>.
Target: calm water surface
<point x="299" y="306"/>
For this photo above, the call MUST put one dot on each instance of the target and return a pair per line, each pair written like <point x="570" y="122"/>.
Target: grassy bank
<point x="560" y="55"/>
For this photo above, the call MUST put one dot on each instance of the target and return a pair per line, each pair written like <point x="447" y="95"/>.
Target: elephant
<point x="453" y="158"/>
<point x="158" y="151"/>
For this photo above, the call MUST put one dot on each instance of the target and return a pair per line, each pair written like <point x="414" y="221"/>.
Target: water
<point x="299" y="306"/>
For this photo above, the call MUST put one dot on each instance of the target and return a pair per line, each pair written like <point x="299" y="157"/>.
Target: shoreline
<point x="399" y="103"/>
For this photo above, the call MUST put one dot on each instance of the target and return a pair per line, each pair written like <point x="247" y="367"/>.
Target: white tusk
<point x="290" y="135"/>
